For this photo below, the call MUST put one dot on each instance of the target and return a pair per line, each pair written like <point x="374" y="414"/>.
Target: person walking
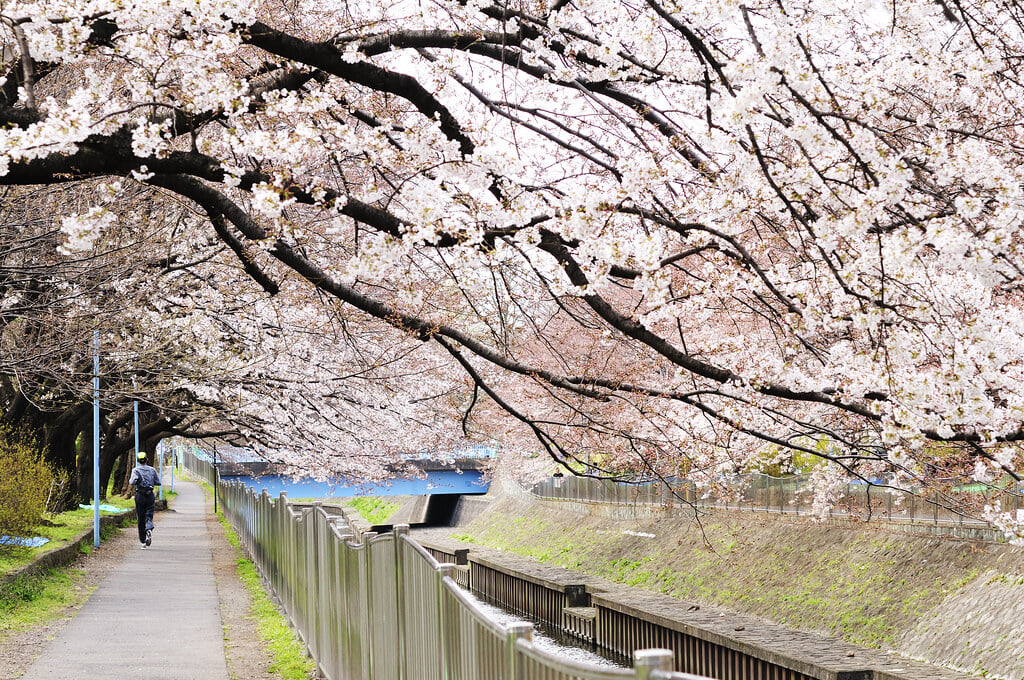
<point x="144" y="478"/>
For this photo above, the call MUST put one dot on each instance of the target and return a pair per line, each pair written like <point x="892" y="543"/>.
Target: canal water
<point x="439" y="482"/>
<point x="554" y="642"/>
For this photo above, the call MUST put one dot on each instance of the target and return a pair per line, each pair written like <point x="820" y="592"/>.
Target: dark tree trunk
<point x="122" y="473"/>
<point x="62" y="438"/>
<point x="83" y="470"/>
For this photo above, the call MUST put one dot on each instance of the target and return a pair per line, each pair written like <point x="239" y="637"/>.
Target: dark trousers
<point x="144" y="511"/>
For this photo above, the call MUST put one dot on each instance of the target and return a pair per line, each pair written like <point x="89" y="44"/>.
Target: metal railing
<point x="382" y="608"/>
<point x="196" y="464"/>
<point x="958" y="502"/>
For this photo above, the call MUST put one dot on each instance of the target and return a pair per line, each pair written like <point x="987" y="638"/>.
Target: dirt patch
<point x="19" y="650"/>
<point x="246" y="655"/>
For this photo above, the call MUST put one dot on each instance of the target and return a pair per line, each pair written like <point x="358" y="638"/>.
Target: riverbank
<point x="948" y="601"/>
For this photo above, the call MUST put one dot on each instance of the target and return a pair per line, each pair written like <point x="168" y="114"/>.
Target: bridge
<point x="463" y="472"/>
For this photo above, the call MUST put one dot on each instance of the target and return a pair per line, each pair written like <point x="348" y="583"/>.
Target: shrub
<point x="25" y="481"/>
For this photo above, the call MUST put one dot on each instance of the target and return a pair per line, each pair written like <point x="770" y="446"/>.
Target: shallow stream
<point x="554" y="642"/>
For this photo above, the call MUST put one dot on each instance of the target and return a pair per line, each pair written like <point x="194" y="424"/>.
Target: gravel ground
<point x="246" y="655"/>
<point x="246" y="658"/>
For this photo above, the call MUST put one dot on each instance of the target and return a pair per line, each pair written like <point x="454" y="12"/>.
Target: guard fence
<point x="380" y="607"/>
<point x="196" y="463"/>
<point x="958" y="502"/>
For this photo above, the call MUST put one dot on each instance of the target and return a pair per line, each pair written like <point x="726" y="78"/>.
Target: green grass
<point x="373" y="509"/>
<point x="34" y="600"/>
<point x="867" y="588"/>
<point x="61" y="529"/>
<point x="290" y="661"/>
<point x="37" y="599"/>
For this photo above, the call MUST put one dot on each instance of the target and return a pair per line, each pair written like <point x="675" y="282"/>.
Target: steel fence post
<point x="400" y="531"/>
<point x="443" y="625"/>
<point x="368" y="613"/>
<point x="646" y="661"/>
<point x="515" y="631"/>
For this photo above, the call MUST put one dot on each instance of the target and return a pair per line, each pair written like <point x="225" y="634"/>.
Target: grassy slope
<point x="374" y="509"/>
<point x="34" y="600"/>
<point x="861" y="584"/>
<point x="61" y="529"/>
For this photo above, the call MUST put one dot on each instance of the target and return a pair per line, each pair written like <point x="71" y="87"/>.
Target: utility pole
<point x="136" y="407"/>
<point x="96" y="440"/>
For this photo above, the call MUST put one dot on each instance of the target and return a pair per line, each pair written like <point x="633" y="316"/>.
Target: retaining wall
<point x="66" y="554"/>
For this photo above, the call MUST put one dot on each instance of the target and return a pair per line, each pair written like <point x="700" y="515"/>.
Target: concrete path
<point x="155" y="617"/>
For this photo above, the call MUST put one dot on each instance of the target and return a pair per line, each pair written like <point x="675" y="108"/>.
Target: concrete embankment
<point x="950" y="602"/>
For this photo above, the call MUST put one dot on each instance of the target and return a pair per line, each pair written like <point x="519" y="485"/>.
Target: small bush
<point x="25" y="481"/>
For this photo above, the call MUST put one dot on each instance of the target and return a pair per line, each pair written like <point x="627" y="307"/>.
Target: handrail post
<point x="443" y="624"/>
<point x="400" y="531"/>
<point x="515" y="631"/>
<point x="646" y="661"/>
<point x="368" y="613"/>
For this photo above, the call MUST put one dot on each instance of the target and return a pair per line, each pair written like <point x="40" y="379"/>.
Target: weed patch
<point x="33" y="600"/>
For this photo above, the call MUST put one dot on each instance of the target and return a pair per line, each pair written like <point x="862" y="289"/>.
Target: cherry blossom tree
<point x="215" y="359"/>
<point x="658" y="237"/>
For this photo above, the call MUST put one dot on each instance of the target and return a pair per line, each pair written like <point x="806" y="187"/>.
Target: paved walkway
<point x="155" y="617"/>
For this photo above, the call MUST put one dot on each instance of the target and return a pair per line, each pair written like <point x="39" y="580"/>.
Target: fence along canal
<point x="550" y="596"/>
<point x="372" y="607"/>
<point x="376" y="607"/>
<point x="936" y="512"/>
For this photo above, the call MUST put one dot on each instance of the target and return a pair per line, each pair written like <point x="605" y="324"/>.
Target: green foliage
<point x="373" y="509"/>
<point x="25" y="482"/>
<point x="21" y="589"/>
<point x="778" y="462"/>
